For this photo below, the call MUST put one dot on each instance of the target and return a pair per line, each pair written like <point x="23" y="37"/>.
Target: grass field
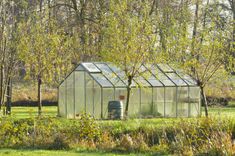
<point x="51" y="111"/>
<point x="224" y="112"/>
<point x="31" y="152"/>
<point x="25" y="112"/>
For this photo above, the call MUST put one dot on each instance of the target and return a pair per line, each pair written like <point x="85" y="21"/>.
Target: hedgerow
<point x="201" y="136"/>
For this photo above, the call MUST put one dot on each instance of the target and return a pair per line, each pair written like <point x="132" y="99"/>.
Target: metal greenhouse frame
<point x="160" y="91"/>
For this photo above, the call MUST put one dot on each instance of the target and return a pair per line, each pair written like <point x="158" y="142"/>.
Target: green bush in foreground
<point x="204" y="136"/>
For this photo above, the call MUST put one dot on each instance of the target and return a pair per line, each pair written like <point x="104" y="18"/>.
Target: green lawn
<point x="223" y="112"/>
<point x="25" y="112"/>
<point x="51" y="111"/>
<point x="31" y="152"/>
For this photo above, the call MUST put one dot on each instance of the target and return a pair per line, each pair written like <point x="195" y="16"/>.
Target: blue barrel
<point x="115" y="110"/>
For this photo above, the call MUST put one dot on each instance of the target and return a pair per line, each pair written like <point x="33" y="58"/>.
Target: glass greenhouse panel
<point x="160" y="94"/>
<point x="90" y="67"/>
<point x="80" y="68"/>
<point x="146" y="105"/>
<point x="158" y="102"/>
<point x="176" y="79"/>
<point x="62" y="98"/>
<point x="108" y="95"/>
<point x="182" y="102"/>
<point x="170" y="102"/>
<point x="143" y="69"/>
<point x="166" y="68"/>
<point x="79" y="93"/>
<point x="97" y="101"/>
<point x="89" y="95"/>
<point x="116" y="81"/>
<point x="194" y="100"/>
<point x="70" y="96"/>
<point x="187" y="78"/>
<point x="153" y="81"/>
<point x="120" y="95"/>
<point x="101" y="80"/>
<point x="121" y="75"/>
<point x="134" y="103"/>
<point x="161" y="76"/>
<point x="142" y="82"/>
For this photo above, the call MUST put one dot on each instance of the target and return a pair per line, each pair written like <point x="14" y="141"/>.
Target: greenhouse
<point x="160" y="91"/>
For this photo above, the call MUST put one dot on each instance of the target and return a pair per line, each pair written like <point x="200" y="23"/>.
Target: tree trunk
<point x="204" y="19"/>
<point x="80" y="14"/>
<point x="39" y="96"/>
<point x="233" y="37"/>
<point x="9" y="96"/>
<point x="1" y="87"/>
<point x="163" y="41"/>
<point x="194" y="35"/>
<point x="204" y="100"/>
<point x="195" y="24"/>
<point x="233" y="44"/>
<point x="128" y="95"/>
<point x="233" y="10"/>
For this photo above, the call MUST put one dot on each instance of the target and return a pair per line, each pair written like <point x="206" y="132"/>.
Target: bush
<point x="107" y="141"/>
<point x="218" y="101"/>
<point x="85" y="129"/>
<point x="203" y="136"/>
<point x="60" y="142"/>
<point x="46" y="132"/>
<point x="14" y="133"/>
<point x="88" y="128"/>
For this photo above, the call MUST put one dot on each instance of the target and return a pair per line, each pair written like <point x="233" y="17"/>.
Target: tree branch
<point x="225" y="7"/>
<point x="62" y="4"/>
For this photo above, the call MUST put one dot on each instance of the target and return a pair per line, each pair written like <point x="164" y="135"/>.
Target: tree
<point x="40" y="49"/>
<point x="128" y="38"/>
<point x="9" y="16"/>
<point x="230" y="8"/>
<point x="83" y="22"/>
<point x="206" y="49"/>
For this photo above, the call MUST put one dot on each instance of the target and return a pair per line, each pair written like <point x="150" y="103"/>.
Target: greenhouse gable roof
<point x="154" y="75"/>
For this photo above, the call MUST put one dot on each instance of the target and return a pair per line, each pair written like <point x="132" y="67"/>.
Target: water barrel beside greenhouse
<point x="115" y="110"/>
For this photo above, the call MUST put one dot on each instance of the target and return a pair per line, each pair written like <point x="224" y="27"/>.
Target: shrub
<point x="203" y="136"/>
<point x="14" y="133"/>
<point x="162" y="148"/>
<point x="47" y="132"/>
<point x="140" y="143"/>
<point x="126" y="143"/>
<point x="88" y="128"/>
<point x="60" y="142"/>
<point x="85" y="129"/>
<point x="107" y="141"/>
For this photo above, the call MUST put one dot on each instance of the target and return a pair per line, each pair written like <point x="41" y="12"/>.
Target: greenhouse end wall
<point x="81" y="93"/>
